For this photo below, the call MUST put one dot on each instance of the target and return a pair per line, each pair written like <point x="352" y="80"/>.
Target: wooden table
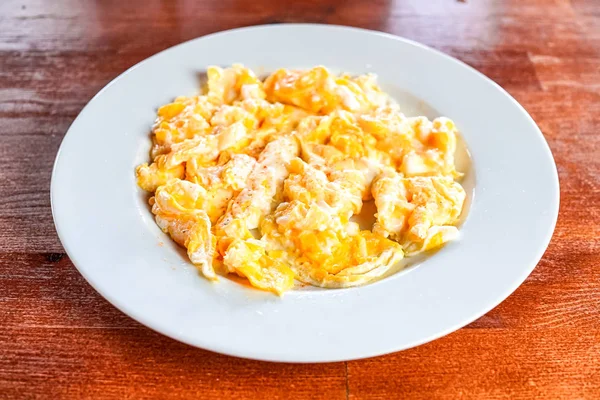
<point x="60" y="339"/>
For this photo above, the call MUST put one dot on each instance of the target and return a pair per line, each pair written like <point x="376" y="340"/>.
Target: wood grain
<point x="497" y="364"/>
<point x="60" y="339"/>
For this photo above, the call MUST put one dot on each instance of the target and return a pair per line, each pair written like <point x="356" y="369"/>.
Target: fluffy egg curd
<point x="262" y="178"/>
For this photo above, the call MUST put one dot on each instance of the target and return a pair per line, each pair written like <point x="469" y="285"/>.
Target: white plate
<point x="109" y="234"/>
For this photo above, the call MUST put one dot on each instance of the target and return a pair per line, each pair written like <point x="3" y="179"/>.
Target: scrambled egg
<point x="262" y="178"/>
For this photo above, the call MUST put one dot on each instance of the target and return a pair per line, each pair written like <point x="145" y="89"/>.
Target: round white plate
<point x="104" y="223"/>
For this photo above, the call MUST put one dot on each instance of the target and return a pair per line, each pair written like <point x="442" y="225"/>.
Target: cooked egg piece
<point x="312" y="227"/>
<point x="230" y="84"/>
<point x="352" y="276"/>
<point x="150" y="177"/>
<point x="250" y="259"/>
<point x="179" y="210"/>
<point x="316" y="90"/>
<point x="341" y="191"/>
<point x="327" y="258"/>
<point x="418" y="212"/>
<point x="183" y="119"/>
<point x="221" y="182"/>
<point x="435" y="154"/>
<point x="257" y="199"/>
<point x="202" y="149"/>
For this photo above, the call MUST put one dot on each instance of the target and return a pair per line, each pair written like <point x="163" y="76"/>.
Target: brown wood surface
<point x="60" y="339"/>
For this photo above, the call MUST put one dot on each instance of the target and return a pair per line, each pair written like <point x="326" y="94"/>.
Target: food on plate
<point x="265" y="178"/>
